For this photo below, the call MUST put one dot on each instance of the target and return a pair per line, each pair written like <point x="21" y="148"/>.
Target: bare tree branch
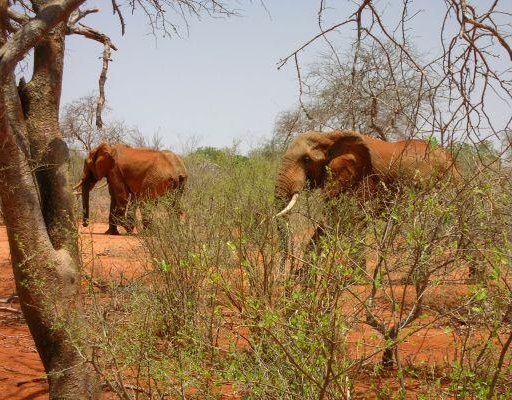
<point x="101" y="84"/>
<point x="117" y="10"/>
<point x="93" y="34"/>
<point x="31" y="32"/>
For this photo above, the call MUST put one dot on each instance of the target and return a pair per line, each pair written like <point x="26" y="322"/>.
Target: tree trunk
<point x="387" y="355"/>
<point x="47" y="279"/>
<point x="38" y="213"/>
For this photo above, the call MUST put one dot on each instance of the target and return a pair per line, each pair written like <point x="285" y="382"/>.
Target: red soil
<point x="122" y="257"/>
<point x="19" y="361"/>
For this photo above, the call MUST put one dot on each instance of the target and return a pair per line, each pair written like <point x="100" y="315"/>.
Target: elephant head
<point x="97" y="165"/>
<point x="336" y="161"/>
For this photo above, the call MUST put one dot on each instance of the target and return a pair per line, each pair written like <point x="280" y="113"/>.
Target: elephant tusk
<point x="288" y="207"/>
<point x="102" y="186"/>
<point x="78" y="185"/>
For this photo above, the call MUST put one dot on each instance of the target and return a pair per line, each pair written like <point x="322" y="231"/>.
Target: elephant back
<point x="150" y="173"/>
<point x="178" y="171"/>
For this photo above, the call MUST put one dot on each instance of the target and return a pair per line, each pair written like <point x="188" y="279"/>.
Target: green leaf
<point x="164" y="266"/>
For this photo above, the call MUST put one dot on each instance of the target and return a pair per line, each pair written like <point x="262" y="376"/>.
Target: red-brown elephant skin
<point x="139" y="173"/>
<point x="340" y="161"/>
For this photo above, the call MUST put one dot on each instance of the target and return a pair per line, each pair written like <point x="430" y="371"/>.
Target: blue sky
<point x="220" y="82"/>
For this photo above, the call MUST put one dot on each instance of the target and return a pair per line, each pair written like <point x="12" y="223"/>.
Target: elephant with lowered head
<point x="342" y="161"/>
<point x="349" y="162"/>
<point x="139" y="173"/>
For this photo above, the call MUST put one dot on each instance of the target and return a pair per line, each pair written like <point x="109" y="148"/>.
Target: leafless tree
<point x="35" y="199"/>
<point x="137" y="138"/>
<point x="365" y="92"/>
<point x="79" y="129"/>
<point x="461" y="82"/>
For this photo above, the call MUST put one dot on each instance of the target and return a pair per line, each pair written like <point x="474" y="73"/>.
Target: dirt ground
<point x="21" y="371"/>
<point x="22" y="375"/>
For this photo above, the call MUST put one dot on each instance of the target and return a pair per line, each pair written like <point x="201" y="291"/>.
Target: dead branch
<point x="90" y="33"/>
<point x="78" y="14"/>
<point x="101" y="84"/>
<point x="93" y="34"/>
<point x="19" y="19"/>
<point x="33" y="31"/>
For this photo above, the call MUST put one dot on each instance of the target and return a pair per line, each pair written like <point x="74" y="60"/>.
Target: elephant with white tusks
<point x="349" y="162"/>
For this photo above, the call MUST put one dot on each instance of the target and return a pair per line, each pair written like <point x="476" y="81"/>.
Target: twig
<point x="116" y="10"/>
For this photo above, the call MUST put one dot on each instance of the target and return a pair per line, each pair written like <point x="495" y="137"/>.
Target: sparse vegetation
<point x="411" y="296"/>
<point x="213" y="312"/>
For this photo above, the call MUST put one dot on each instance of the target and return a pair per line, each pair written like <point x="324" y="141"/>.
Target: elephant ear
<point x="101" y="161"/>
<point x="350" y="159"/>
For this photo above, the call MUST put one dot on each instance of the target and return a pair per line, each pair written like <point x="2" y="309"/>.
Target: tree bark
<point x="37" y="206"/>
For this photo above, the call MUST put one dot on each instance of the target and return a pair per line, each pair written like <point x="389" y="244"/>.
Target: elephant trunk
<point x="290" y="182"/>
<point x="85" y="205"/>
<point x="87" y="185"/>
<point x="286" y="192"/>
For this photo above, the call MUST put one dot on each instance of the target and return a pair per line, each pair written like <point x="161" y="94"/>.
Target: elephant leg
<point x="112" y="225"/>
<point x="284" y="244"/>
<point x="173" y="204"/>
<point x="312" y="251"/>
<point x="314" y="244"/>
<point x="120" y="211"/>
<point x="129" y="221"/>
<point x="352" y="231"/>
<point x="356" y="234"/>
<point x="143" y="204"/>
<point x="178" y="209"/>
<point x="117" y="215"/>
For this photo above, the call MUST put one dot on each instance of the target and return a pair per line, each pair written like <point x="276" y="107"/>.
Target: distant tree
<point x="218" y="156"/>
<point x="370" y="89"/>
<point x="136" y="138"/>
<point x="79" y="129"/>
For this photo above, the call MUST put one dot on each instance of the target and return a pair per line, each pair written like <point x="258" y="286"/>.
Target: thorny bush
<point x="220" y="308"/>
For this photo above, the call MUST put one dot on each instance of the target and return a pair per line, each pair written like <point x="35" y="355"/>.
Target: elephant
<point x="346" y="161"/>
<point x="137" y="173"/>
<point x="340" y="161"/>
